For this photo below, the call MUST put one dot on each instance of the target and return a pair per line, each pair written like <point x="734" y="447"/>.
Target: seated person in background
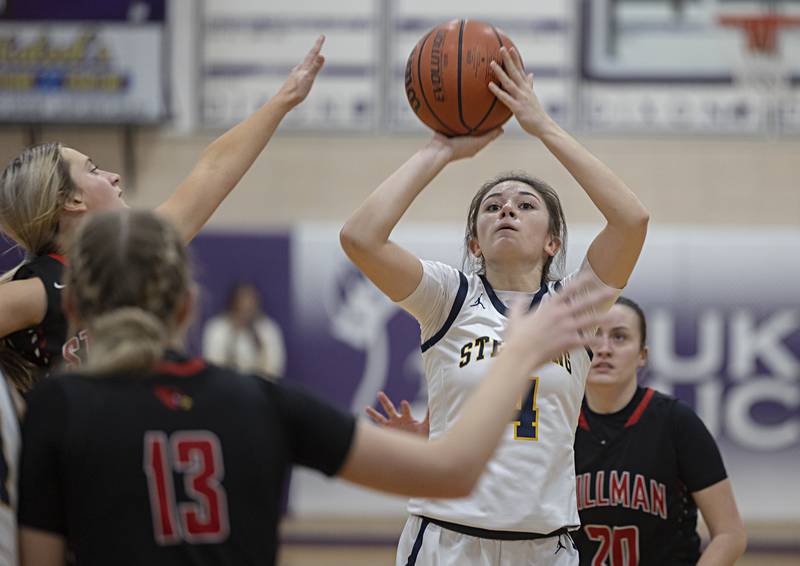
<point x="243" y="337"/>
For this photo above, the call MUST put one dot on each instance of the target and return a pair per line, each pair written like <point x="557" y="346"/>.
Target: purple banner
<point x="84" y="10"/>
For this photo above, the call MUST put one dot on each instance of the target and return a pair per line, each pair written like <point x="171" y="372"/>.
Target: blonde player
<point x="525" y="503"/>
<point x="47" y="190"/>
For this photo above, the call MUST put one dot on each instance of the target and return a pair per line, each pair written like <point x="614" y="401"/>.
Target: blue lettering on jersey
<point x="526" y="427"/>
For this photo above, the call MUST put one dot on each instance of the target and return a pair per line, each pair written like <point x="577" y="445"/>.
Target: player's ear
<point x="475" y="247"/>
<point x="552" y="246"/>
<point x="75" y="202"/>
<point x="643" y="354"/>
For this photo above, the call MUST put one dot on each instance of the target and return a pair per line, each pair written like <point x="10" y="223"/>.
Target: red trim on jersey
<point x="181" y="369"/>
<point x="637" y="414"/>
<point x="582" y="422"/>
<point x="59" y="258"/>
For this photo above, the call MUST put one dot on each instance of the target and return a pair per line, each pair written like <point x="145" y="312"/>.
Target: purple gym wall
<point x="724" y="335"/>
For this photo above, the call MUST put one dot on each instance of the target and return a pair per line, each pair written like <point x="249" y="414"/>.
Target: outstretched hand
<point x="301" y="78"/>
<point x="399" y="421"/>
<point x="515" y="90"/>
<point x="567" y="320"/>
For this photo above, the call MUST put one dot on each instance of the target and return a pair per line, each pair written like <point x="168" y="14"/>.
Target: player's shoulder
<point x="51" y="391"/>
<point x="557" y="284"/>
<point x="660" y="398"/>
<point x="441" y="271"/>
<point x="50" y="266"/>
<point x="668" y="402"/>
<point x="684" y="416"/>
<point x="677" y="411"/>
<point x="250" y="388"/>
<point x="651" y="408"/>
<point x="658" y="402"/>
<point x="204" y="370"/>
<point x="65" y="384"/>
<point x="443" y="280"/>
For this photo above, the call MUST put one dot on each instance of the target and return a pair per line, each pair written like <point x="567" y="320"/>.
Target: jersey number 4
<point x="621" y="544"/>
<point x="197" y="456"/>
<point x="526" y="427"/>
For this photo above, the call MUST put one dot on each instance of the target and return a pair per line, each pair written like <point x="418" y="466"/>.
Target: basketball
<point x="447" y="77"/>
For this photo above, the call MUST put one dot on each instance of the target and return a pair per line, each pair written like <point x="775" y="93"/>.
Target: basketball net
<point x="762" y="67"/>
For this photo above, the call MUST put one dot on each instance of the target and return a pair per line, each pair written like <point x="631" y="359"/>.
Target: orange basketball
<point x="447" y="78"/>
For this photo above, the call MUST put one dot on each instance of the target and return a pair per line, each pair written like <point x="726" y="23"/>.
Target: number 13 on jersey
<point x="526" y="427"/>
<point x="197" y="456"/>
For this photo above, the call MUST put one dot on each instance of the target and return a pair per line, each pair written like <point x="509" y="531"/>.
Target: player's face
<point x="619" y="353"/>
<point x="513" y="224"/>
<point x="97" y="189"/>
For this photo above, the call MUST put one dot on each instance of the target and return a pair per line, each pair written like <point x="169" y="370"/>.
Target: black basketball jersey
<point x="184" y="466"/>
<point x="635" y="473"/>
<point x="41" y="344"/>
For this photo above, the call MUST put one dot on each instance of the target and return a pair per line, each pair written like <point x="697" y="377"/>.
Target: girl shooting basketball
<point x="525" y="503"/>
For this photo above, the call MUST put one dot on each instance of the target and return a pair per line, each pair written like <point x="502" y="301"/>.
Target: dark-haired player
<point x="645" y="463"/>
<point x="524" y="506"/>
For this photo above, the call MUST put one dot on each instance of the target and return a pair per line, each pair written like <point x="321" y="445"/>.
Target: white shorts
<point x="426" y="544"/>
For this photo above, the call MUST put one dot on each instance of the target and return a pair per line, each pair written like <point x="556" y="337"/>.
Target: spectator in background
<point x="243" y="337"/>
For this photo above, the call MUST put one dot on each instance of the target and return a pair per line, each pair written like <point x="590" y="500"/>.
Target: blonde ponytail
<point x="126" y="339"/>
<point x="128" y="277"/>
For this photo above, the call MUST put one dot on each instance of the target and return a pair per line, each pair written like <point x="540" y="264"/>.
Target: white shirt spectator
<point x="256" y="348"/>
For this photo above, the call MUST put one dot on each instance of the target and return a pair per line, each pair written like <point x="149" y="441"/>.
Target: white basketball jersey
<point x="529" y="484"/>
<point x="9" y="429"/>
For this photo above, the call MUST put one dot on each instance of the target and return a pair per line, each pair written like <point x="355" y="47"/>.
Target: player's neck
<point x="67" y="226"/>
<point x="61" y="245"/>
<point x="610" y="398"/>
<point x="515" y="278"/>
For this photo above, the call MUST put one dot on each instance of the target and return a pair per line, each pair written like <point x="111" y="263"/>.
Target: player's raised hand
<point x="400" y="421"/>
<point x="301" y="78"/>
<point x="462" y="147"/>
<point x="515" y="90"/>
<point x="564" y="322"/>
